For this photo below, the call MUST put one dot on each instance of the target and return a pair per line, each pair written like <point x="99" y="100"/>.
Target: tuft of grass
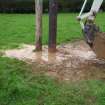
<point x="19" y="86"/>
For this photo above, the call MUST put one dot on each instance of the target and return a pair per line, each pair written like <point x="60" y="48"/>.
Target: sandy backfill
<point x="78" y="50"/>
<point x="73" y="61"/>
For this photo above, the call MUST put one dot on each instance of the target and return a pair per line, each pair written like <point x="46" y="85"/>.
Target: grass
<point x="19" y="86"/>
<point x="21" y="29"/>
<point x="16" y="29"/>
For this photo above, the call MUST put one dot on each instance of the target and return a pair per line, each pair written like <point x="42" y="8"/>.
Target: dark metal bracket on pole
<point x="53" y="6"/>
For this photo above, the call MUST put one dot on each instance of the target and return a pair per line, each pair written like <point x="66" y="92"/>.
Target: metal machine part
<point x="89" y="31"/>
<point x="89" y="27"/>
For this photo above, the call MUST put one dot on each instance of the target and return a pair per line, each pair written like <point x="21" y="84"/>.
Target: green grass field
<point x="17" y="29"/>
<point x="19" y="86"/>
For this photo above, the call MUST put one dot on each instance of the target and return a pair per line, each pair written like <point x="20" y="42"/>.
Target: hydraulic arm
<point x="87" y="21"/>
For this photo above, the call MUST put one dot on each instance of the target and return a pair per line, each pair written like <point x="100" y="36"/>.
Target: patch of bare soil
<point x="72" y="62"/>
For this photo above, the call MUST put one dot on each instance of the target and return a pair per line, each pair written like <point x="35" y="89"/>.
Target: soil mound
<point x="99" y="45"/>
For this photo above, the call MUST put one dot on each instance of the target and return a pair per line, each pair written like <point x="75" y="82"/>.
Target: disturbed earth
<point x="72" y="62"/>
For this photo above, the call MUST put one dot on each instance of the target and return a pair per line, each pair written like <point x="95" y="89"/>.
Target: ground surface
<point x="72" y="62"/>
<point x="20" y="86"/>
<point x="33" y="84"/>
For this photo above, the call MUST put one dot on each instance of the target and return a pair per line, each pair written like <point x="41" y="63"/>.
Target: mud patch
<point x="72" y="62"/>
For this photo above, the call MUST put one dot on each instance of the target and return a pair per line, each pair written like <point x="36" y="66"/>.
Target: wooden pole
<point x="52" y="25"/>
<point x="39" y="12"/>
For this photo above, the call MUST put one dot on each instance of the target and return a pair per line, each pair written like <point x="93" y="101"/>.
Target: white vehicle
<point x="89" y="28"/>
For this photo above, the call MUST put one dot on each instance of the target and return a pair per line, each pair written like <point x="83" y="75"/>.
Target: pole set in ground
<point x="39" y="12"/>
<point x="52" y="25"/>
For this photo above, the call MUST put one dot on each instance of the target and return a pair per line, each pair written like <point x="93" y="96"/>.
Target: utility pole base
<point x="38" y="47"/>
<point x="52" y="49"/>
<point x="53" y="6"/>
